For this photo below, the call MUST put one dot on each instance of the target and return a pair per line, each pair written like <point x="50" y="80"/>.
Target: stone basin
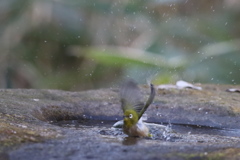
<point x="54" y="124"/>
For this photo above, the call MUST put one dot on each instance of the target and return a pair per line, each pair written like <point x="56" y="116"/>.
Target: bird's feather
<point x="149" y="101"/>
<point x="131" y="98"/>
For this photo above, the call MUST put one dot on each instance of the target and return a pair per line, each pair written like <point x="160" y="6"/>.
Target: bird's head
<point x="130" y="118"/>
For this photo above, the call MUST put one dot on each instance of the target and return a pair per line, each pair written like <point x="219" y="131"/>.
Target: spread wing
<point x="149" y="101"/>
<point x="131" y="98"/>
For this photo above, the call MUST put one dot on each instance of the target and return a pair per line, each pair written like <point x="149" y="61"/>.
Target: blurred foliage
<point x="78" y="45"/>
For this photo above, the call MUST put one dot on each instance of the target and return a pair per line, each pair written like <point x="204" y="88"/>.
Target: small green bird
<point x="133" y="109"/>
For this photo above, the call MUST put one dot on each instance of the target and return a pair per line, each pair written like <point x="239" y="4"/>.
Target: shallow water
<point x="175" y="128"/>
<point x="193" y="129"/>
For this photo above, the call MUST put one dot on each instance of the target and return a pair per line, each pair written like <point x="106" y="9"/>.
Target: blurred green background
<point x="88" y="44"/>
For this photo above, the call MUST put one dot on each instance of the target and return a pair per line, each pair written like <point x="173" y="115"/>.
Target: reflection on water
<point x="130" y="141"/>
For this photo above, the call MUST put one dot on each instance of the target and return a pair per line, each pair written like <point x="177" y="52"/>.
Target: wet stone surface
<point x="185" y="124"/>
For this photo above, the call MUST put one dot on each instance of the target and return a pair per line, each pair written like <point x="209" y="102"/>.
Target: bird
<point x="133" y="109"/>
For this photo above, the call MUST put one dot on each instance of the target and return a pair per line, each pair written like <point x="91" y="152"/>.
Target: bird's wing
<point x="131" y="97"/>
<point x="149" y="101"/>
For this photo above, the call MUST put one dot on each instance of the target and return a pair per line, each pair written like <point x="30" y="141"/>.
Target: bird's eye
<point x="130" y="116"/>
